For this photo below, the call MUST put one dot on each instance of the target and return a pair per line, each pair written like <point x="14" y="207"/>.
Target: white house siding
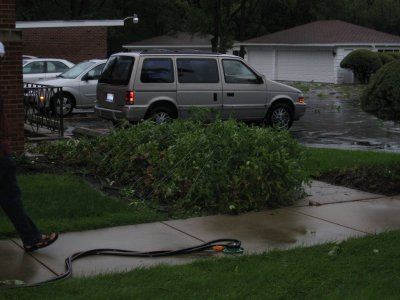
<point x="342" y="75"/>
<point x="263" y="60"/>
<point x="293" y="64"/>
<point x="305" y="65"/>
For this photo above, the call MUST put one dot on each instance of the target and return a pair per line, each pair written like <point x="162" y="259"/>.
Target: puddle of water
<point x="336" y="123"/>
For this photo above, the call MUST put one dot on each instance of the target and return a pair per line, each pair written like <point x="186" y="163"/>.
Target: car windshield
<point x="76" y="70"/>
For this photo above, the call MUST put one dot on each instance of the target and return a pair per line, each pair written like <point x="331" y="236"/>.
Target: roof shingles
<point x="326" y="32"/>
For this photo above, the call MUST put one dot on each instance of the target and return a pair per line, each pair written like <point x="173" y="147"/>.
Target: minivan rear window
<point x="197" y="70"/>
<point x="117" y="70"/>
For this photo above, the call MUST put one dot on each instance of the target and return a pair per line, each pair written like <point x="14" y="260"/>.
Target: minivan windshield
<point x="117" y="70"/>
<point x="76" y="70"/>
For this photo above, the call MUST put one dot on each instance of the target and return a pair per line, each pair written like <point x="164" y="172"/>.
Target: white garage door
<point x="303" y="65"/>
<point x="263" y="60"/>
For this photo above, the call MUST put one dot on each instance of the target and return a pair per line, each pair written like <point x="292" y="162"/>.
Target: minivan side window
<point x="157" y="70"/>
<point x="117" y="70"/>
<point x="237" y="72"/>
<point x="197" y="70"/>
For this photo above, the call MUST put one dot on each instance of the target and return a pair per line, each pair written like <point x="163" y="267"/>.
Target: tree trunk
<point x="217" y="26"/>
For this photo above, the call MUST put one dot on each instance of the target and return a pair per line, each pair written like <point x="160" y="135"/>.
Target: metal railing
<point x="43" y="107"/>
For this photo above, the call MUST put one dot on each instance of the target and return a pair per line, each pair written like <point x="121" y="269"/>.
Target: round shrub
<point x="221" y="167"/>
<point x="382" y="95"/>
<point x="385" y="57"/>
<point x="363" y="63"/>
<point x="395" y="55"/>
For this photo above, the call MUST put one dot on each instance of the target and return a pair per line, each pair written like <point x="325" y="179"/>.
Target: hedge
<point x="363" y="63"/>
<point x="382" y="95"/>
<point x="221" y="167"/>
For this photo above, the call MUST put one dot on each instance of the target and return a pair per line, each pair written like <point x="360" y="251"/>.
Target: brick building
<point x="72" y="40"/>
<point x="11" y="108"/>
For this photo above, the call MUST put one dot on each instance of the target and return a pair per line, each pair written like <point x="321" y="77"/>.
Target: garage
<point x="262" y="60"/>
<point x="293" y="65"/>
<point x="313" y="52"/>
<point x="304" y="66"/>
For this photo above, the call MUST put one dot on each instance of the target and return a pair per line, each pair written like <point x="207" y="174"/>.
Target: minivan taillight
<point x="130" y="98"/>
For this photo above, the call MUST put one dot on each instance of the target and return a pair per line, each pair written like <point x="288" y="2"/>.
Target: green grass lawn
<point x="366" y="268"/>
<point x="363" y="268"/>
<point x="322" y="160"/>
<point x="68" y="203"/>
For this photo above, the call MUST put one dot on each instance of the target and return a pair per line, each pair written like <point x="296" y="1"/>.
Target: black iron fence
<point x="43" y="107"/>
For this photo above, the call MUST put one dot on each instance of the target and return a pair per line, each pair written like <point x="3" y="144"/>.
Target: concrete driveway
<point x="334" y="119"/>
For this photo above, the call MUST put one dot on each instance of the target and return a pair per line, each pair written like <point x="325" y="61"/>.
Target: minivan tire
<point x="280" y="116"/>
<point x="161" y="114"/>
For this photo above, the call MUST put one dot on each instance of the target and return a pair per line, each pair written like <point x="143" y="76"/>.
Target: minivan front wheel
<point x="161" y="114"/>
<point x="280" y="116"/>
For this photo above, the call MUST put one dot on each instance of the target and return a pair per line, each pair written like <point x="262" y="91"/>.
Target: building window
<point x="389" y="50"/>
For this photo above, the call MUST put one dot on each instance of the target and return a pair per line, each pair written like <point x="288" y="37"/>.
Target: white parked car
<point x="37" y="69"/>
<point x="26" y="58"/>
<point x="79" y="84"/>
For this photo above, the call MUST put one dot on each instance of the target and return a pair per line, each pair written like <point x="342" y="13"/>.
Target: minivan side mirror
<point x="260" y="80"/>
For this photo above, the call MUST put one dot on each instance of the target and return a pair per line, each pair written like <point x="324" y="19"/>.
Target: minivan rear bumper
<point x="131" y="113"/>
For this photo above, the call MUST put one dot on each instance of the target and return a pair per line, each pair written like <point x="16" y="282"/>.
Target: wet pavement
<point x="334" y="119"/>
<point x="85" y="118"/>
<point x="329" y="214"/>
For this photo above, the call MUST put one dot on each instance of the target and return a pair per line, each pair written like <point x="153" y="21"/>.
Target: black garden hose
<point x="228" y="246"/>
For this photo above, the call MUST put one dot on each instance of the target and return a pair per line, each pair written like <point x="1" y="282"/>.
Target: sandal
<point x="46" y="240"/>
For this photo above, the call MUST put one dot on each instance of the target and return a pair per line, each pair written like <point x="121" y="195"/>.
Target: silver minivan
<point x="163" y="85"/>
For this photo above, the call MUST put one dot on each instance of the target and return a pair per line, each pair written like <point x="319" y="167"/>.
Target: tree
<point x="225" y="20"/>
<point x="39" y="10"/>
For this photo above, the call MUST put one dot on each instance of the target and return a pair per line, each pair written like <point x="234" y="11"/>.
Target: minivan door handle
<point x="230" y="94"/>
<point x="215" y="97"/>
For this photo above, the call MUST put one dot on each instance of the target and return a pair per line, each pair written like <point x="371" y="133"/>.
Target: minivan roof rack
<point x="180" y="51"/>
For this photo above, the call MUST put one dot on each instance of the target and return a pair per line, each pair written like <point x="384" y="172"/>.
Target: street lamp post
<point x="134" y="18"/>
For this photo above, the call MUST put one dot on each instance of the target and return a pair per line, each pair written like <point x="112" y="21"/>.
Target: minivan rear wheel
<point x="161" y="114"/>
<point x="280" y="116"/>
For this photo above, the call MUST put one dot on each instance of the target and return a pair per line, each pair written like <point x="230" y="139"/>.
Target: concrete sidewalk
<point x="330" y="213"/>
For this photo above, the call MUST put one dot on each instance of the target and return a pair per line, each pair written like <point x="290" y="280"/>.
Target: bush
<point x="395" y="55"/>
<point x="385" y="57"/>
<point x="363" y="63"/>
<point x="221" y="167"/>
<point x="382" y="95"/>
